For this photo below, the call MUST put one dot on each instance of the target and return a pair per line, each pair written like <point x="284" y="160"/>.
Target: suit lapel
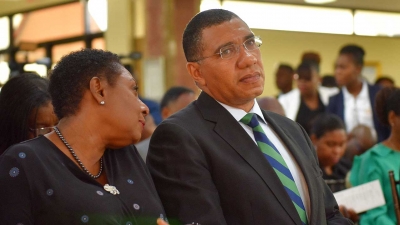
<point x="302" y="161"/>
<point x="231" y="131"/>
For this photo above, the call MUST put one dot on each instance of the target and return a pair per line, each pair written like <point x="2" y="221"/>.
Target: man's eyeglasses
<point x="230" y="51"/>
<point x="41" y="130"/>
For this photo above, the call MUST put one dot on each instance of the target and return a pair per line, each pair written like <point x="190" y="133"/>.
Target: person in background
<point x="311" y="56"/>
<point x="385" y="81"/>
<point x="25" y="109"/>
<point x="376" y="162"/>
<point x="271" y="104"/>
<point x="359" y="140"/>
<point x="284" y="78"/>
<point x="328" y="81"/>
<point x="222" y="160"/>
<point x="354" y="104"/>
<point x="308" y="100"/>
<point x="143" y="145"/>
<point x="175" y="99"/>
<point x="329" y="137"/>
<point x="154" y="107"/>
<point x="86" y="170"/>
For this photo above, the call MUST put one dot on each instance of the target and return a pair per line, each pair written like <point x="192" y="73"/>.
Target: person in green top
<point x="375" y="163"/>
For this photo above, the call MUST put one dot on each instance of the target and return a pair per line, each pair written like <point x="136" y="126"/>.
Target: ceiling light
<point x="319" y="1"/>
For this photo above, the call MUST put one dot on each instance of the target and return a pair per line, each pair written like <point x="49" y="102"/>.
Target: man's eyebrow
<point x="248" y="36"/>
<point x="230" y="43"/>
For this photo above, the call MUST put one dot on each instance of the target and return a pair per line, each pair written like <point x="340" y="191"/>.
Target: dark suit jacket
<point x="336" y="106"/>
<point x="208" y="170"/>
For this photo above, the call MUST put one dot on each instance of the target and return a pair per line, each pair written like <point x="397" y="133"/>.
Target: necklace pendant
<point x="112" y="189"/>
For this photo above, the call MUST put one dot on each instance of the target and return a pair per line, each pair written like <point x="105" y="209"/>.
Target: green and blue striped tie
<point x="277" y="162"/>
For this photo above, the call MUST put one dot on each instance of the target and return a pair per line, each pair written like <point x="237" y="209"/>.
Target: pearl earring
<point x="102" y="103"/>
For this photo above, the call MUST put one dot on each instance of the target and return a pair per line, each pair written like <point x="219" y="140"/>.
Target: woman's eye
<point x="136" y="88"/>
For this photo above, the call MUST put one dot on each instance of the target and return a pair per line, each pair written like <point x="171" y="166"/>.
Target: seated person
<point x="86" y="170"/>
<point x="328" y="135"/>
<point x="271" y="104"/>
<point x="175" y="99"/>
<point x="359" y="140"/>
<point x="385" y="81"/>
<point x="376" y="162"/>
<point x="25" y="109"/>
<point x="143" y="145"/>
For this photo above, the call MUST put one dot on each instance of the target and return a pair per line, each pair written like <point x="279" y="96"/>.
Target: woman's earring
<point x="102" y="103"/>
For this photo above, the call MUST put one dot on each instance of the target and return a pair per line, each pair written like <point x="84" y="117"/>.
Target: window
<point x="48" y="24"/>
<point x="98" y="13"/>
<point x="63" y="49"/>
<point x="4" y="69"/>
<point x="4" y="32"/>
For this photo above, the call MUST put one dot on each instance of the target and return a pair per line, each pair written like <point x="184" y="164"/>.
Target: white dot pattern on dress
<point x="85" y="219"/>
<point x="100" y="193"/>
<point x="22" y="155"/>
<point x="128" y="223"/>
<point x="49" y="192"/>
<point x="136" y="206"/>
<point x="130" y="181"/>
<point x="14" y="172"/>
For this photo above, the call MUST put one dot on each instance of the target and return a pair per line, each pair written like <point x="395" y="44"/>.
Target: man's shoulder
<point x="281" y="121"/>
<point x="184" y="116"/>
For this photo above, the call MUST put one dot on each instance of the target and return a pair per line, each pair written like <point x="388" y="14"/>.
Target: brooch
<point x="112" y="189"/>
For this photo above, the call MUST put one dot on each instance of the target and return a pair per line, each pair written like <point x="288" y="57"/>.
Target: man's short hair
<point x="384" y="78"/>
<point x="173" y="94"/>
<point x="193" y="31"/>
<point x="357" y="52"/>
<point x="286" y="67"/>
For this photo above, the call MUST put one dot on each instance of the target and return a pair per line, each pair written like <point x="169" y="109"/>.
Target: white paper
<point x="361" y="198"/>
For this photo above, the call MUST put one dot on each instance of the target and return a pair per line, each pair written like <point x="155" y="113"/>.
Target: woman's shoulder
<point x="369" y="162"/>
<point x="31" y="149"/>
<point x="377" y="151"/>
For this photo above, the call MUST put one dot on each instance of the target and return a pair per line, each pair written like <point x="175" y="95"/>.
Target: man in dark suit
<point x="210" y="164"/>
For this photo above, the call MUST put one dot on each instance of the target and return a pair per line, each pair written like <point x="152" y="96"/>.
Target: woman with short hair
<point x="87" y="170"/>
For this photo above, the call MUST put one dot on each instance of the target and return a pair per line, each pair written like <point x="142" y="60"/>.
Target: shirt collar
<point x="382" y="150"/>
<point x="238" y="114"/>
<point x="363" y="92"/>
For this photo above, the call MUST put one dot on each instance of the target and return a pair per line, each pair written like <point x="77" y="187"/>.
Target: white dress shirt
<point x="358" y="109"/>
<point x="294" y="168"/>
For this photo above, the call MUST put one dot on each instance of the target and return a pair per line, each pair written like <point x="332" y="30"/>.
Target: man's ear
<point x="165" y="113"/>
<point x="194" y="70"/>
<point x="96" y="87"/>
<point x="314" y="139"/>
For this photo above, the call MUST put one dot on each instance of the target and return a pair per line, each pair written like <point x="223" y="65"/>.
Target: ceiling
<point x="8" y="7"/>
<point x="379" y="5"/>
<point x="13" y="6"/>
